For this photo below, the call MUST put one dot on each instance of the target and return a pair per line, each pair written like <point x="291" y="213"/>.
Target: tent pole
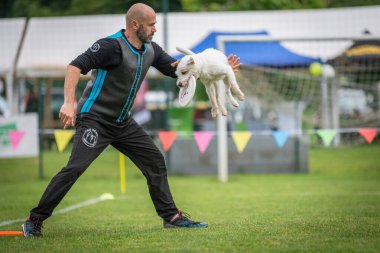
<point x="14" y="103"/>
<point x="40" y="132"/>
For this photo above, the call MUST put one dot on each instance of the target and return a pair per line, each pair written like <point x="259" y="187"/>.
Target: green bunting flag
<point x="327" y="136"/>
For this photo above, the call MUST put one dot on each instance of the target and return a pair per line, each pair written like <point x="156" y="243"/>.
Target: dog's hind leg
<point x="234" y="85"/>
<point x="227" y="87"/>
<point x="222" y="109"/>
<point x="211" y="92"/>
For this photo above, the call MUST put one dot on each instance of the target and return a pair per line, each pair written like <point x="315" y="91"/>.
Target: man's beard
<point x="143" y="37"/>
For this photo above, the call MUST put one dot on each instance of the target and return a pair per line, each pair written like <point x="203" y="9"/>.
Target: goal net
<point x="301" y="85"/>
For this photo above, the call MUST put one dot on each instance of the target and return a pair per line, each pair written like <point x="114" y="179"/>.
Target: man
<point x="102" y="116"/>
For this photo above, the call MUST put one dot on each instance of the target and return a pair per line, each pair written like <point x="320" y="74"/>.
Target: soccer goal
<point x="300" y="85"/>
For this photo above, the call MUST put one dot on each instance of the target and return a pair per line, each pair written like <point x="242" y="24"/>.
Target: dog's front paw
<point x="224" y="111"/>
<point x="234" y="103"/>
<point x="241" y="97"/>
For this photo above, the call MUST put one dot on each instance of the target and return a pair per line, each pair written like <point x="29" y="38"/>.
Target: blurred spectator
<point x="31" y="101"/>
<point x="4" y="109"/>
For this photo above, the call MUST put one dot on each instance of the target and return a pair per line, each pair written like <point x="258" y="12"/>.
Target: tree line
<point x="44" y="8"/>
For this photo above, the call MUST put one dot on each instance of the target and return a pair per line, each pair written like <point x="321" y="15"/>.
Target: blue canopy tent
<point x="255" y="53"/>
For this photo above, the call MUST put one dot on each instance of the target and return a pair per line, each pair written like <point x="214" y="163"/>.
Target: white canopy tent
<point x="11" y="31"/>
<point x="52" y="43"/>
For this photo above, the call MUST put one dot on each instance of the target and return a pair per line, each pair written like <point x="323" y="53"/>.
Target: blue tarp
<point x="255" y="53"/>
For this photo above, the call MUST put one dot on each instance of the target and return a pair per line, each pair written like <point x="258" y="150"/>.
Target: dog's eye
<point x="184" y="72"/>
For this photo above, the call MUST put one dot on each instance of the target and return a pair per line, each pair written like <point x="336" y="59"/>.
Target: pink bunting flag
<point x="167" y="138"/>
<point x="203" y="139"/>
<point x="15" y="137"/>
<point x="368" y="133"/>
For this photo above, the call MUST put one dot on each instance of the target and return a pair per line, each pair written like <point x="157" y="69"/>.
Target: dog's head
<point x="186" y="67"/>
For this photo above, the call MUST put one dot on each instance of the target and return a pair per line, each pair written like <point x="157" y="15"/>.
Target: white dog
<point x="211" y="67"/>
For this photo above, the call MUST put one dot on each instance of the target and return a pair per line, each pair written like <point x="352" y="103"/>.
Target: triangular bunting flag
<point x="280" y="137"/>
<point x="15" y="138"/>
<point x="203" y="140"/>
<point x="167" y="138"/>
<point x="327" y="136"/>
<point x="62" y="138"/>
<point x="241" y="139"/>
<point x="368" y="134"/>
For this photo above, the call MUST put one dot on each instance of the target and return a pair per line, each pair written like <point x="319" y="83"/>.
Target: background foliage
<point x="42" y="8"/>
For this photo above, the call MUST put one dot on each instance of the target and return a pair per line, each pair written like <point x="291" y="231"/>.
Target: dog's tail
<point x="184" y="51"/>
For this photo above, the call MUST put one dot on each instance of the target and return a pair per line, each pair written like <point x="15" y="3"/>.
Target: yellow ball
<point x="315" y="69"/>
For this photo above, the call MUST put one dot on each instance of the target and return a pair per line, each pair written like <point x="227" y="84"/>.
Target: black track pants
<point x="91" y="138"/>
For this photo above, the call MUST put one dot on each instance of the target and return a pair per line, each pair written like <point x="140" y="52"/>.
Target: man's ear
<point x="135" y="24"/>
<point x="191" y="61"/>
<point x="175" y="64"/>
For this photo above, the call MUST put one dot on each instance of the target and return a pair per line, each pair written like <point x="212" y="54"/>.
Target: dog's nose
<point x="182" y="84"/>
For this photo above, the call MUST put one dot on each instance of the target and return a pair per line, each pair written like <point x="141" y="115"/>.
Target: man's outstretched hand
<point x="233" y="60"/>
<point x="67" y="114"/>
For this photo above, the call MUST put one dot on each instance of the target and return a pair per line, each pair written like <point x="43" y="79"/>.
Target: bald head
<point x="138" y="12"/>
<point x="140" y="24"/>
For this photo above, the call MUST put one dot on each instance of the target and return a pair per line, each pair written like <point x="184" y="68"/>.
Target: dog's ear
<point x="175" y="64"/>
<point x="191" y="61"/>
<point x="184" y="51"/>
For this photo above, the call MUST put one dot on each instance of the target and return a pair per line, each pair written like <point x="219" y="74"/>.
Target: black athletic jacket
<point x="118" y="70"/>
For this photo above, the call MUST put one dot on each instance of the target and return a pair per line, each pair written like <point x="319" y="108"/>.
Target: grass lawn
<point x="334" y="208"/>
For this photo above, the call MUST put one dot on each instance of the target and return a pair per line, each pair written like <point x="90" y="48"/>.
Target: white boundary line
<point x="8" y="222"/>
<point x="103" y="197"/>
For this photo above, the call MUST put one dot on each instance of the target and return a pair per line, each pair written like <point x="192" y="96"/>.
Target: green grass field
<point x="334" y="208"/>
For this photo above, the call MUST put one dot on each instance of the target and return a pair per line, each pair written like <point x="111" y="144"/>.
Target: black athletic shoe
<point x="182" y="220"/>
<point x="32" y="227"/>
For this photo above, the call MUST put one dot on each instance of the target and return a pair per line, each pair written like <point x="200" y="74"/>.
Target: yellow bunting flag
<point x="241" y="139"/>
<point x="62" y="138"/>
